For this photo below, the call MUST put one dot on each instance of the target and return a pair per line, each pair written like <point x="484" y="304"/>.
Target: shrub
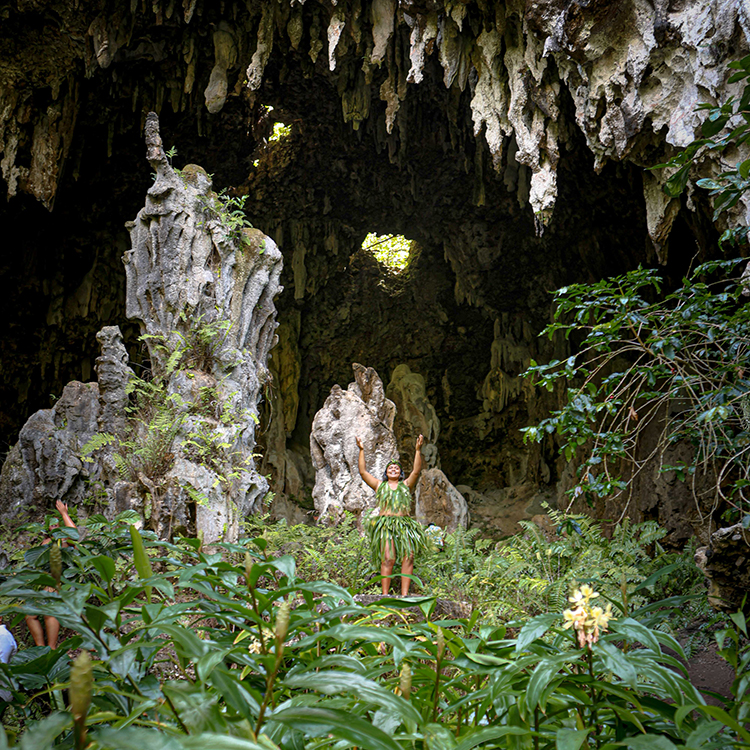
<point x="263" y="660"/>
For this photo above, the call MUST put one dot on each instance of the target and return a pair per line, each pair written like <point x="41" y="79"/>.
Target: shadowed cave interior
<point x="479" y="281"/>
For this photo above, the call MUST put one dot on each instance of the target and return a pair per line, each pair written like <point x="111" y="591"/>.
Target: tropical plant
<point x="676" y="366"/>
<point x="228" y="649"/>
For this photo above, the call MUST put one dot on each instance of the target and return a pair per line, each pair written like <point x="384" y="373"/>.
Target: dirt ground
<point x="711" y="674"/>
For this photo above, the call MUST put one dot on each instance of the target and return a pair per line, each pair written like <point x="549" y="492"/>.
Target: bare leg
<point x="36" y="630"/>
<point x="53" y="630"/>
<point x="407" y="568"/>
<point x="386" y="567"/>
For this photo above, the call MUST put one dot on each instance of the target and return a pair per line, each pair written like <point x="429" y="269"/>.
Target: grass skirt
<point x="405" y="535"/>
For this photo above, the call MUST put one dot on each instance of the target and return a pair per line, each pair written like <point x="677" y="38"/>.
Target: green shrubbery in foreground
<point x="190" y="649"/>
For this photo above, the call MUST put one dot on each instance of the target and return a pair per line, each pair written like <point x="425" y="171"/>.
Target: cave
<point x="509" y="140"/>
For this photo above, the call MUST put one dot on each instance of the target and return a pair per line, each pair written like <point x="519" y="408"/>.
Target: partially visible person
<point x="8" y="647"/>
<point x="51" y="625"/>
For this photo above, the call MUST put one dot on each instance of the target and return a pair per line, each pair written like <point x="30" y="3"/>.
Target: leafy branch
<point x="676" y="366"/>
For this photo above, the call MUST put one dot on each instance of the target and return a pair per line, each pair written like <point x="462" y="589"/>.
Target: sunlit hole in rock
<point x="392" y="250"/>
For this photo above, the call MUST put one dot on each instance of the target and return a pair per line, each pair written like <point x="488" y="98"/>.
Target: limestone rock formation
<point x="364" y="411"/>
<point x="725" y="563"/>
<point x="202" y="289"/>
<point x="48" y="463"/>
<point x="113" y="375"/>
<point x="361" y="411"/>
<point x="415" y="416"/>
<point x="439" y="502"/>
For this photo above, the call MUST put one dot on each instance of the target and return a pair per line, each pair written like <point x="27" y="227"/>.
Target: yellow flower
<point x="601" y="617"/>
<point x="588" y="592"/>
<point x="588" y="621"/>
<point x="574" y="617"/>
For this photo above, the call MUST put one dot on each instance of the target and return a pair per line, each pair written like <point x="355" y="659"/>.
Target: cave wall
<point x="508" y="139"/>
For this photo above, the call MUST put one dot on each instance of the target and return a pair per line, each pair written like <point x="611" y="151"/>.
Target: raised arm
<point x="367" y="478"/>
<point x="63" y="508"/>
<point x="411" y="480"/>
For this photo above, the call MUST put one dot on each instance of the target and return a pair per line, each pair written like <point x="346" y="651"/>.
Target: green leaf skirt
<point x="405" y="535"/>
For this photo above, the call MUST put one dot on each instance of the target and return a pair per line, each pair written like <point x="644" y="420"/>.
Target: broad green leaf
<point x="234" y="692"/>
<point x="615" y="661"/>
<point x="438" y="737"/>
<point x="571" y="739"/>
<point x="205" y="665"/>
<point x="486" y="734"/>
<point x="738" y="618"/>
<point x="544" y="672"/>
<point x="104" y="566"/>
<point x="285" y="564"/>
<point x="134" y="738"/>
<point x="341" y="724"/>
<point x="187" y="642"/>
<point x="703" y="732"/>
<point x="633" y="631"/>
<point x="649" y="742"/>
<point x="211" y="741"/>
<point x="196" y="708"/>
<point x="533" y="629"/>
<point x="42" y="734"/>
<point x="364" y="689"/>
<point x="719" y="713"/>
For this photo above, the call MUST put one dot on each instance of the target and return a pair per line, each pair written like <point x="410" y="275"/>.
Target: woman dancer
<point x="393" y="534"/>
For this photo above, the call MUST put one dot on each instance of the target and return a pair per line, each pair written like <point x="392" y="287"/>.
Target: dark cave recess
<point x="318" y="192"/>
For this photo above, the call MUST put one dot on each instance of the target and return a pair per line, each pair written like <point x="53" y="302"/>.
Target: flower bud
<point x="248" y="567"/>
<point x="440" y="644"/>
<point x="81" y="685"/>
<point x="282" y="622"/>
<point x="405" y="681"/>
<point x="55" y="562"/>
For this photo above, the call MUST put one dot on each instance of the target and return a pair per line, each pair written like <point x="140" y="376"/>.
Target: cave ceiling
<point x="507" y="139"/>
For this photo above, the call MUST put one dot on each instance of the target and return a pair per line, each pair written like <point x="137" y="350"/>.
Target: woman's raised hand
<point x="359" y="444"/>
<point x="420" y="442"/>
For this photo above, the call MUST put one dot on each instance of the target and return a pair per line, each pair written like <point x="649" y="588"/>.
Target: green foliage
<point x="534" y="571"/>
<point x="197" y="347"/>
<point x="155" y="420"/>
<point x="234" y="651"/>
<point x="229" y="211"/>
<point x="727" y="125"/>
<point x="529" y="573"/>
<point x="339" y="554"/>
<point x="677" y="366"/>
<point x="537" y="570"/>
<point x="392" y="250"/>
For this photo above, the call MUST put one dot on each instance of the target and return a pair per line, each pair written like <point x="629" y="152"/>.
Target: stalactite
<point x="188" y="9"/>
<point x="225" y="58"/>
<point x="383" y="17"/>
<point x="295" y="27"/>
<point x="263" y="48"/>
<point x="316" y="45"/>
<point x="335" y="28"/>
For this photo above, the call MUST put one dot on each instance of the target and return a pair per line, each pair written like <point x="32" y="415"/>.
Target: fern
<point x="95" y="443"/>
